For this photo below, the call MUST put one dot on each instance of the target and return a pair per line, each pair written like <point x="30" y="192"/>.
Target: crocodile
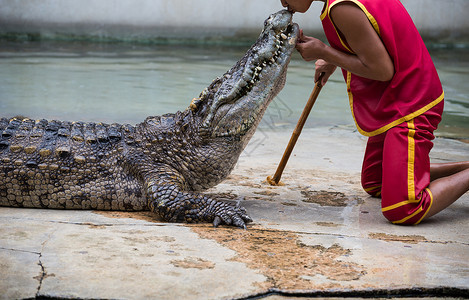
<point x="162" y="164"/>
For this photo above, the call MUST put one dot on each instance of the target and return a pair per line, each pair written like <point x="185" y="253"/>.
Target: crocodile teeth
<point x="258" y="68"/>
<point x="284" y="36"/>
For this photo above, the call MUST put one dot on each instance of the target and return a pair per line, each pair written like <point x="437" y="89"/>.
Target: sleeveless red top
<point x="415" y="88"/>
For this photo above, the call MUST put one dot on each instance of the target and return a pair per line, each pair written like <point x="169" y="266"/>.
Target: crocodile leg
<point x="168" y="197"/>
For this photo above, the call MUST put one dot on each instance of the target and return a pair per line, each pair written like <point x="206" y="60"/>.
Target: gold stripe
<point x="419" y="210"/>
<point x="369" y="16"/>
<point x="343" y="43"/>
<point x="336" y="31"/>
<point x="415" y="213"/>
<point x="411" y="161"/>
<point x="326" y="11"/>
<point x="394" y="206"/>
<point x="350" y="97"/>
<point x="394" y="123"/>
<point x="428" y="209"/>
<point x="372" y="188"/>
<point x="349" y="79"/>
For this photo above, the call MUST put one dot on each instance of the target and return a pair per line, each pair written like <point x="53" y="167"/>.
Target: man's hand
<point x="323" y="67"/>
<point x="310" y="48"/>
<point x="369" y="59"/>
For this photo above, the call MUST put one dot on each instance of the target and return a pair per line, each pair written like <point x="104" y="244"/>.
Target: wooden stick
<point x="296" y="133"/>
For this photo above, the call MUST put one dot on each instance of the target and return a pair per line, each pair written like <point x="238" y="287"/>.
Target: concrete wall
<point x="202" y="19"/>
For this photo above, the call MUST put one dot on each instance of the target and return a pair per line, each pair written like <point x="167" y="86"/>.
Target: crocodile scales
<point x="161" y="164"/>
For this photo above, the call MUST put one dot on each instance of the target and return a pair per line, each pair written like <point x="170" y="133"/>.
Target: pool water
<point x="125" y="83"/>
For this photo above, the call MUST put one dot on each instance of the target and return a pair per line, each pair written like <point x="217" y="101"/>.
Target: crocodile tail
<point x="45" y="138"/>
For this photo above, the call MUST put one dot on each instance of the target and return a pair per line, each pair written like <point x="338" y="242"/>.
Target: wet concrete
<point x="318" y="234"/>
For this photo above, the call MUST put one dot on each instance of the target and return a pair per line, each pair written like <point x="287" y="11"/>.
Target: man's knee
<point x="373" y="190"/>
<point x="402" y="211"/>
<point x="371" y="183"/>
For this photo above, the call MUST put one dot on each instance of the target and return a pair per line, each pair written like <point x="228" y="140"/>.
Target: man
<point x="396" y="100"/>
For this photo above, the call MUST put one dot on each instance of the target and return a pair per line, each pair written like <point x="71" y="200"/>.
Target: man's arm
<point x="371" y="59"/>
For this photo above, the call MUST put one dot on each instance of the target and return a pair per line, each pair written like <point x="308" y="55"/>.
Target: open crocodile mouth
<point x="254" y="68"/>
<point x="234" y="102"/>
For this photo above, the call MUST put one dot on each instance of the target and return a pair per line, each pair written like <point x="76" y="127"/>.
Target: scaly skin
<point x="160" y="164"/>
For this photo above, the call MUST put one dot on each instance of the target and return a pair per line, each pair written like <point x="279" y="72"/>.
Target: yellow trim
<point x="370" y="17"/>
<point x="326" y="10"/>
<point x="394" y="123"/>
<point x="372" y="188"/>
<point x="410" y="170"/>
<point x="428" y="209"/>
<point x="375" y="191"/>
<point x="419" y="210"/>
<point x="402" y="203"/>
<point x="411" y="161"/>
<point x="336" y="31"/>
<point x="350" y="99"/>
<point x="375" y="25"/>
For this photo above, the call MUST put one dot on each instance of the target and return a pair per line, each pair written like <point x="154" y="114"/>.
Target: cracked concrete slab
<point x="106" y="257"/>
<point x="19" y="271"/>
<point x="318" y="234"/>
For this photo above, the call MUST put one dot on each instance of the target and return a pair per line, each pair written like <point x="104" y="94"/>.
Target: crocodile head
<point x="233" y="105"/>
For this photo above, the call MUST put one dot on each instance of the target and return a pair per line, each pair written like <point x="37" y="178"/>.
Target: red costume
<point x="399" y="115"/>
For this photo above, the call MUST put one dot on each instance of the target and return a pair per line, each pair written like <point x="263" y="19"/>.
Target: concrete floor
<point x="317" y="235"/>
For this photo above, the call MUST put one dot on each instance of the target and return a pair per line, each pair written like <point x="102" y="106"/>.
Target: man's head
<point x="300" y="6"/>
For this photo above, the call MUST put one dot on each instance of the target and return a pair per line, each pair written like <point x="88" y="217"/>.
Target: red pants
<point x="396" y="168"/>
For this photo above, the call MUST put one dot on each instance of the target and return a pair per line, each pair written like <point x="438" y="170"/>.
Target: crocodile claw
<point x="231" y="215"/>
<point x="217" y="221"/>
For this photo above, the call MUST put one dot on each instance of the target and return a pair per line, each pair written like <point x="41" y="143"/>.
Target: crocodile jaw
<point x="234" y="104"/>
